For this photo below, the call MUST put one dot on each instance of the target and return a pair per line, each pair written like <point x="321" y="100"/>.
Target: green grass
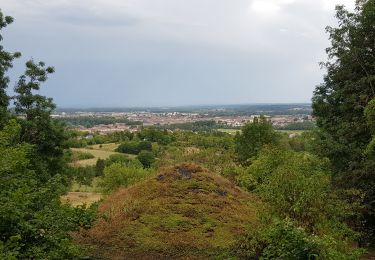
<point x="111" y="147"/>
<point x="183" y="213"/>
<point x="97" y="153"/>
<point x="298" y="132"/>
<point x="229" y="131"/>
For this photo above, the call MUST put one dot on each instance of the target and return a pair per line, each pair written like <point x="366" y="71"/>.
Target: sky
<point x="125" y="53"/>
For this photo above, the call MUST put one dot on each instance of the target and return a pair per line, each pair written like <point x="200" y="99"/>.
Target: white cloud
<point x="264" y="7"/>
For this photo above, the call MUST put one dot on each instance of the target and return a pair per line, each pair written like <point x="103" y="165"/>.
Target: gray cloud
<point x="170" y="52"/>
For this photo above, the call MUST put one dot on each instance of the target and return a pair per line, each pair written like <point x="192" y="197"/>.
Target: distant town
<point x="112" y="121"/>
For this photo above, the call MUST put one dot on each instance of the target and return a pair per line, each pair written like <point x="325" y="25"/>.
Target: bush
<point x="134" y="147"/>
<point x="147" y="158"/>
<point x="253" y="137"/>
<point x="99" y="167"/>
<point x="152" y="134"/>
<point x="117" y="175"/>
<point x="145" y="145"/>
<point x="283" y="239"/>
<point x="117" y="158"/>
<point x="278" y="240"/>
<point x="78" y="156"/>
<point x="128" y="147"/>
<point x="84" y="175"/>
<point x="307" y="212"/>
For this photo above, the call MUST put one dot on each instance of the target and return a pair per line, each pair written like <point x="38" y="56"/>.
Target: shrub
<point x="128" y="147"/>
<point x="84" y="175"/>
<point x="78" y="156"/>
<point x="283" y="239"/>
<point x="147" y="158"/>
<point x="99" y="167"/>
<point x="253" y="137"/>
<point x="308" y="216"/>
<point x="134" y="147"/>
<point x="117" y="158"/>
<point x="144" y="145"/>
<point x="117" y="175"/>
<point x="278" y="240"/>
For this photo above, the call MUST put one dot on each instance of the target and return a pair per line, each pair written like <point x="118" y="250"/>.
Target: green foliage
<point x="144" y="146"/>
<point x="297" y="188"/>
<point x="33" y="172"/>
<point x="134" y="147"/>
<point x="215" y="139"/>
<point x="339" y="103"/>
<point x="117" y="158"/>
<point x="199" y="126"/>
<point x="99" y="167"/>
<point x="297" y="185"/>
<point x="84" y="175"/>
<point x="119" y="175"/>
<point x="78" y="139"/>
<point x="34" y="115"/>
<point x="253" y="137"/>
<point x="33" y="223"/>
<point x="306" y="125"/>
<point x="89" y="121"/>
<point x="169" y="216"/>
<point x="147" y="158"/>
<point x="302" y="142"/>
<point x="78" y="155"/>
<point x="280" y="239"/>
<point x="370" y="117"/>
<point x="284" y="239"/>
<point x="6" y="61"/>
<point x="152" y="134"/>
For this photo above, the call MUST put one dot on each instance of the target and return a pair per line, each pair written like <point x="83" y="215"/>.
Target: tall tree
<point x="6" y="59"/>
<point x="34" y="113"/>
<point x="339" y="102"/>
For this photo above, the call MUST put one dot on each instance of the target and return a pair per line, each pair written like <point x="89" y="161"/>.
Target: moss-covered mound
<point x="184" y="212"/>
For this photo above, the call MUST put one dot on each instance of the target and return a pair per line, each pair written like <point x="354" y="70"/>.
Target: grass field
<point x="111" y="147"/>
<point x="100" y="153"/>
<point x="80" y="198"/>
<point x="229" y="131"/>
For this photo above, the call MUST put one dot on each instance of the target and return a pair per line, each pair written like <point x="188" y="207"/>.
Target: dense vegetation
<point x="33" y="222"/>
<point x="199" y="126"/>
<point x="88" y="121"/>
<point x="340" y="103"/>
<point x="306" y="125"/>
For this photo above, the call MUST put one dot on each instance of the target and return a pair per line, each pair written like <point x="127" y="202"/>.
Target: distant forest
<point x="89" y="121"/>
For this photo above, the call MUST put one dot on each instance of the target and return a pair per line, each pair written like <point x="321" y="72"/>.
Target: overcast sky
<point x="120" y="53"/>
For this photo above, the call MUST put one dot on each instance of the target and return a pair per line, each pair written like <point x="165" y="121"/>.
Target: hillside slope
<point x="184" y="212"/>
